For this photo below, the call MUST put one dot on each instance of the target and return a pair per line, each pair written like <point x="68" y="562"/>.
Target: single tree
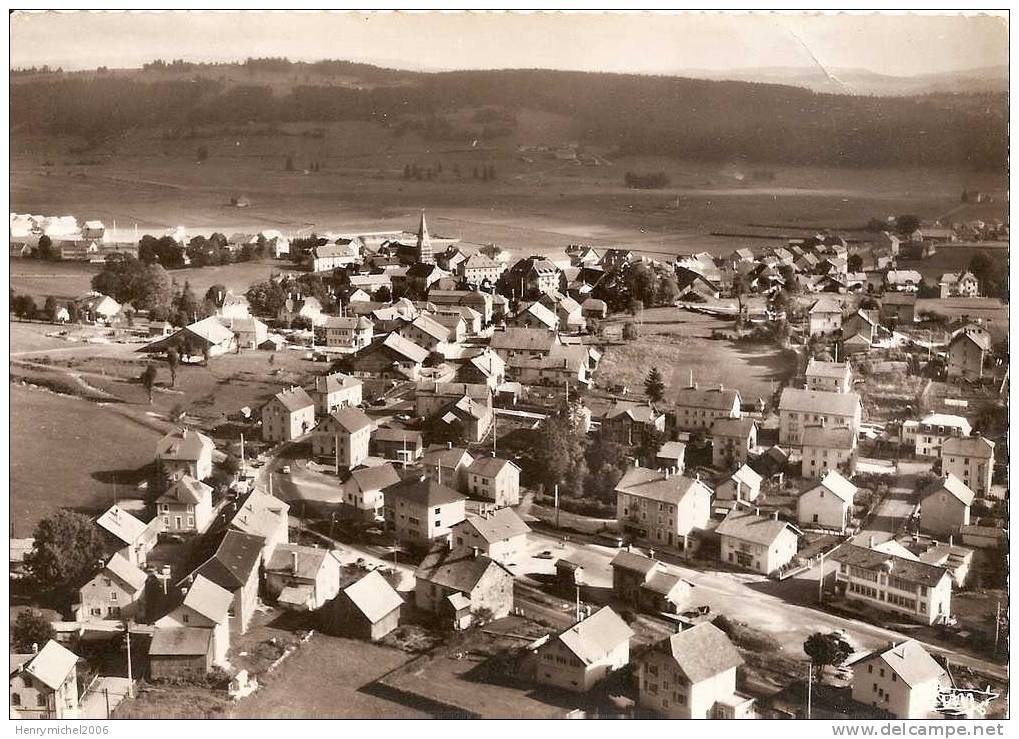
<point x="907" y="224"/>
<point x="45" y="249"/>
<point x="630" y="332"/>
<point x="29" y="631"/>
<point x="49" y="309"/>
<point x="173" y="361"/>
<point x="654" y="386"/>
<point x="68" y="550"/>
<point x="148" y="379"/>
<point x="739" y="290"/>
<point x="827" y="649"/>
<point x="855" y="263"/>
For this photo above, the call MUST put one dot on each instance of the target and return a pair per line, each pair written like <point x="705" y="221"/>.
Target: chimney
<point x="774" y="515"/>
<point x="35" y="647"/>
<point x="293" y="563"/>
<point x="695" y="386"/>
<point x="474" y="552"/>
<point x="651" y="553"/>
<point x="449" y="445"/>
<point x="721" y="387"/>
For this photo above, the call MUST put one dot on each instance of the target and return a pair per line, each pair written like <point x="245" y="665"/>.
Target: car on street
<point x="285" y="469"/>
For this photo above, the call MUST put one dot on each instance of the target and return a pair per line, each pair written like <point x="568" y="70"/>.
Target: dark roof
<point x="457" y="569"/>
<point x="424" y="492"/>
<point x="735" y="427"/>
<point x="828" y="437"/>
<point x="185" y="641"/>
<point x="717" y="398"/>
<point x="372" y="478"/>
<point x="351" y="420"/>
<point x="235" y="557"/>
<point x="908" y="569"/>
<point x="968" y="446"/>
<point x="747" y="526"/>
<point x="529" y="339"/>
<point x="701" y="652"/>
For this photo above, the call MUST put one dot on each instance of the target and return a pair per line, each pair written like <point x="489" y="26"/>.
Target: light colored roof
<point x="184" y="445"/>
<point x="186" y="641"/>
<point x="542" y="313"/>
<point x="896" y="276"/>
<point x="211" y="330"/>
<point x="334" y="382"/>
<point x="407" y="348"/>
<point x="260" y="514"/>
<point x="818" y="401"/>
<point x="747" y="475"/>
<point x="52" y="664"/>
<point x="121" y="524"/>
<point x="489" y="466"/>
<point x="910" y="661"/>
<point x="828" y="437"/>
<point x="127" y="572"/>
<point x="458" y="569"/>
<point x="826" y="305"/>
<point x="831" y="370"/>
<point x="208" y="599"/>
<point x="658" y="486"/>
<point x="373" y="596"/>
<point x="596" y="636"/>
<point x="634" y="561"/>
<point x="431" y="327"/>
<point x="188" y="490"/>
<point x="702" y="652"/>
<point x="672" y="450"/>
<point x="294" y="399"/>
<point x="746" y="526"/>
<point x="19" y="548"/>
<point x="497" y="526"/>
<point x="447" y="457"/>
<point x="955" y="486"/>
<point x="874" y="559"/>
<point x="968" y="446"/>
<point x="946" y="419"/>
<point x="838" y="485"/>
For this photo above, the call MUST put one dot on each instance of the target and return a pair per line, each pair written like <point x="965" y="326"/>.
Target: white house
<point x="827" y="505"/>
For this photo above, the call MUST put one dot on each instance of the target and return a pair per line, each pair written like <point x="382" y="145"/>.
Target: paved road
<point x="891" y="515"/>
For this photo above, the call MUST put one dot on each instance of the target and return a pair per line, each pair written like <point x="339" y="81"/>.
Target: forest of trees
<point x="690" y="119"/>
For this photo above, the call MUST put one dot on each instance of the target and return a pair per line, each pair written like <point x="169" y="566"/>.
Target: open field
<point x="324" y="679"/>
<point x="678" y="343"/>
<point x="535" y="204"/>
<point x="67" y="452"/>
<point x="68" y="280"/>
<point x="991" y="311"/>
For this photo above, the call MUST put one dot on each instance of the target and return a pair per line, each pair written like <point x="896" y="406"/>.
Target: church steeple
<point x="424" y="245"/>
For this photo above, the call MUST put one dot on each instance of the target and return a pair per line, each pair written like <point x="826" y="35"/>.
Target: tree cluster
<point x="128" y="280"/>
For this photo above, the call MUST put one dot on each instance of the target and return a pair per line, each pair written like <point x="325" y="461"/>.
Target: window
<point x="895" y="677"/>
<point x="15" y="699"/>
<point x="40" y="700"/>
<point x="113" y="595"/>
<point x="437" y="511"/>
<point x="870" y="668"/>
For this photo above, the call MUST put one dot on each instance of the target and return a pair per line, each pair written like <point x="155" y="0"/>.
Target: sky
<point x="653" y="43"/>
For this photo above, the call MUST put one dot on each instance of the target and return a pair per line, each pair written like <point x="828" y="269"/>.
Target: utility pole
<point x="243" y="467"/>
<point x="130" y="676"/>
<point x="557" y="505"/>
<point x="997" y="625"/>
<point x="336" y="453"/>
<point x="810" y="685"/>
<point x="495" y="431"/>
<point x="820" y="581"/>
<point x="578" y="602"/>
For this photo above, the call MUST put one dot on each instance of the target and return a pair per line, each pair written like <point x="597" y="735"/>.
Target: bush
<point x="746" y="637"/>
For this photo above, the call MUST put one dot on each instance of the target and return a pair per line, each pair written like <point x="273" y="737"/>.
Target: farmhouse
<point x="457" y="585"/>
<point x="206" y="607"/>
<point x="692" y="675"/>
<point x="264" y="516"/>
<point x="399" y="444"/>
<point x="800" y="408"/>
<point x="827" y="505"/>
<point x="447" y="466"/>
<point x="391" y="358"/>
<point x="499" y="534"/>
<point x="530" y="343"/>
<point x="343" y="436"/>
<point x="898" y="308"/>
<point x="731" y="441"/>
<point x="971" y="460"/>
<point x="827" y="449"/>
<point x="661" y="508"/>
<point x="289" y="415"/>
<point x="234" y="566"/>
<point x="945" y="507"/>
<point x="586" y="653"/>
<point x="937" y="428"/>
<point x="632" y="424"/>
<point x="116" y="591"/>
<point x="421" y="512"/>
<point x="494" y="479"/>
<point x="181" y="653"/>
<point x="205" y="337"/>
<point x="764" y="545"/>
<point x="648" y="584"/>
<point x="959" y="285"/>
<point x="366" y="609"/>
<point x="128" y="534"/>
<point x="672" y="455"/>
<point x="902" y="680"/>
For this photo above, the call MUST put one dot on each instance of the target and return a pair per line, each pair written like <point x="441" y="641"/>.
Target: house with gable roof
<point x="743" y="485"/>
<point x="262" y="515"/>
<point x="348" y="332"/>
<point x="827" y="505"/>
<point x="390" y="358"/>
<point x="186" y="451"/>
<point x="825" y="316"/>
<point x="959" y="284"/>
<point x="302" y="578"/>
<point x="116" y="591"/>
<point x="447" y="465"/>
<point x="586" y="653"/>
<point x="971" y="459"/>
<point x="494" y="479"/>
<point x="128" y="534"/>
<point x="631" y="423"/>
<point x="186" y="506"/>
<point x="647" y="583"/>
<point x="422" y="512"/>
<point x="368" y="608"/>
<point x="343" y="437"/>
<point x="500" y="534"/>
<point x="233" y="561"/>
<point x="44" y="684"/>
<point x="364" y="491"/>
<point x="398" y="444"/>
<point x="692" y="675"/>
<point x="945" y="507"/>
<point x="902" y="680"/>
<point x="827" y="449"/>
<point x="207" y="606"/>
<point x="661" y="508"/>
<point x="764" y="545"/>
<point x="731" y="441"/>
<point x="336" y="390"/>
<point x="455" y="585"/>
<point x="967" y="351"/>
<point x="831" y="377"/>
<point x="696" y="408"/>
<point x="934" y="431"/>
<point x="799" y="408"/>
<point x="289" y="415"/>
<point x="208" y="336"/>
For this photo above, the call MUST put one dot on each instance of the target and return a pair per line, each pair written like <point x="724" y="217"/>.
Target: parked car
<point x="285" y="469"/>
